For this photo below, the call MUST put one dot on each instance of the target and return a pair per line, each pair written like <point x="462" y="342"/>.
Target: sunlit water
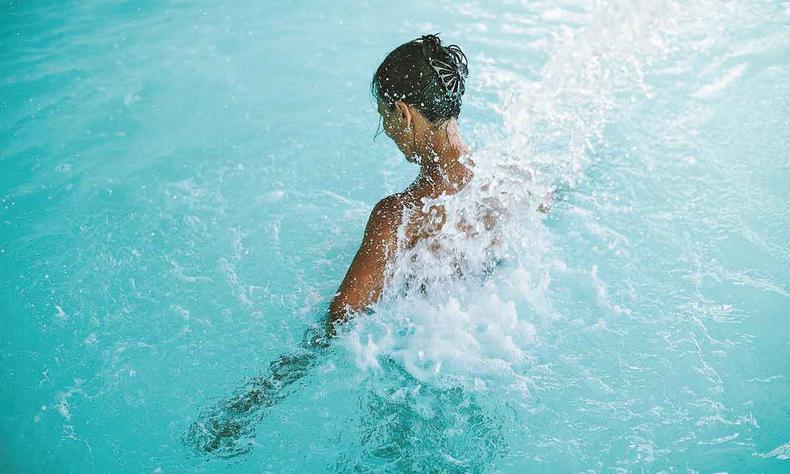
<point x="182" y="187"/>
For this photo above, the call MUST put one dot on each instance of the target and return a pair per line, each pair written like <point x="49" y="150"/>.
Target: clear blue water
<point x="182" y="186"/>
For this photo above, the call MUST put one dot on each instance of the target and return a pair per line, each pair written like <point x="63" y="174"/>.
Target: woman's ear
<point x="405" y="113"/>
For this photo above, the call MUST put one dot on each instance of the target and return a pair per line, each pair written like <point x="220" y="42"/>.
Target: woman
<point x="418" y="89"/>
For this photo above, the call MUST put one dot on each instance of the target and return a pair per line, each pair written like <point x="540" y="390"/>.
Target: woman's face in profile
<point x="394" y="127"/>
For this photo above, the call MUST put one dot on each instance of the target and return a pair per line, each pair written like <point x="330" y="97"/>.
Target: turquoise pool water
<point x="182" y="187"/>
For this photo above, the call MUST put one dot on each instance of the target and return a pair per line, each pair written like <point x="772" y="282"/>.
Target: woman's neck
<point x="440" y="160"/>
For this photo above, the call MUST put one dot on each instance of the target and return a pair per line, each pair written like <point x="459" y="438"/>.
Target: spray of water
<point x="446" y="316"/>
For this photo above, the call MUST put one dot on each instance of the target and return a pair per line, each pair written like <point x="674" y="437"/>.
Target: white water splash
<point x="717" y="87"/>
<point x="781" y="452"/>
<point x="472" y="330"/>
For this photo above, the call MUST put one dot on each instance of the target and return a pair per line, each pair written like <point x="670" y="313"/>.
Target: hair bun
<point x="431" y="45"/>
<point x="449" y="63"/>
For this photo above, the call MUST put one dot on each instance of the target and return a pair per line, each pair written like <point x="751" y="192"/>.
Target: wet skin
<point x="437" y="149"/>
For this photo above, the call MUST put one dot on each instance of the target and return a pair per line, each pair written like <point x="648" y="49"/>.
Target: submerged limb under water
<point x="227" y="429"/>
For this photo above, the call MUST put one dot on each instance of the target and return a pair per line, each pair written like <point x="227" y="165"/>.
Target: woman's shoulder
<point x="386" y="215"/>
<point x="389" y="205"/>
<point x="395" y="204"/>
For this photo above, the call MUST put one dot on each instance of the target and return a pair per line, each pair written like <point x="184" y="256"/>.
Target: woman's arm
<point x="364" y="279"/>
<point x="227" y="428"/>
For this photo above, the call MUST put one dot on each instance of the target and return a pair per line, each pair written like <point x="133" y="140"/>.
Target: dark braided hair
<point x="424" y="74"/>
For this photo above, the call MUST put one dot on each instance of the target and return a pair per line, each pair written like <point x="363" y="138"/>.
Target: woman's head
<point x="419" y="76"/>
